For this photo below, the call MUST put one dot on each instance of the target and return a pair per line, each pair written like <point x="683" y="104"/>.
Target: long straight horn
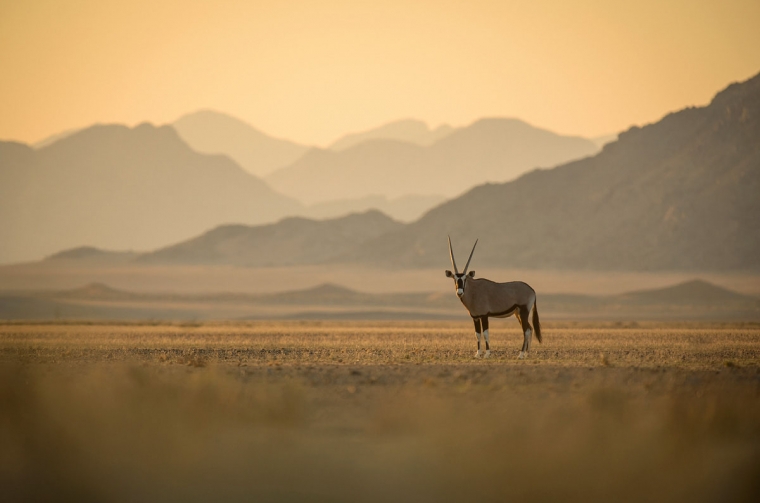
<point x="451" y="254"/>
<point x="468" y="260"/>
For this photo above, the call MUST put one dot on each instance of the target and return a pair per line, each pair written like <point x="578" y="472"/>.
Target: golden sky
<point x="312" y="71"/>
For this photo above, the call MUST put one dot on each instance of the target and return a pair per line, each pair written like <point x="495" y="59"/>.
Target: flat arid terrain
<point x="379" y="411"/>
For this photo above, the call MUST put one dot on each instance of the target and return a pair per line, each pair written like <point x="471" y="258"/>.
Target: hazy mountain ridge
<point x="93" y="255"/>
<point x="324" y="175"/>
<point x="49" y="140"/>
<point x="121" y="188"/>
<point x="677" y="194"/>
<point x="206" y="131"/>
<point x="213" y="132"/>
<point x="487" y="150"/>
<point x="293" y="240"/>
<point x="216" y="133"/>
<point x="404" y="208"/>
<point x="692" y="300"/>
<point x="406" y="130"/>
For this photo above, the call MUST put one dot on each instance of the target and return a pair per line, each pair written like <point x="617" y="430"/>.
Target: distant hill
<point x="405" y="208"/>
<point x="695" y="292"/>
<point x="680" y="194"/>
<point x="120" y="188"/>
<point x="488" y="150"/>
<point x="212" y="132"/>
<point x="407" y="130"/>
<point x="92" y="255"/>
<point x="330" y="301"/>
<point x="291" y="241"/>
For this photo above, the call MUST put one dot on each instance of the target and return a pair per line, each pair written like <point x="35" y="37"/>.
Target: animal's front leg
<point x="476" y="321"/>
<point x="484" y="324"/>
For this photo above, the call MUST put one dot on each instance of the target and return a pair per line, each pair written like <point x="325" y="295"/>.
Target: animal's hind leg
<point x="522" y="317"/>
<point x="476" y="321"/>
<point x="527" y="331"/>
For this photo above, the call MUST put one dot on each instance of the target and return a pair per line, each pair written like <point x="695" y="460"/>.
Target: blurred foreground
<point x="381" y="411"/>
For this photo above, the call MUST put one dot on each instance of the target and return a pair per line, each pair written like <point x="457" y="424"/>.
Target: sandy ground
<point x="379" y="411"/>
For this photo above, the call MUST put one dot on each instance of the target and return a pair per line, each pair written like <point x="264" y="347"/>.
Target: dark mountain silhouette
<point x="407" y="130"/>
<point x="121" y="188"/>
<point x="217" y="133"/>
<point x="488" y="150"/>
<point x="679" y="194"/>
<point x="291" y="241"/>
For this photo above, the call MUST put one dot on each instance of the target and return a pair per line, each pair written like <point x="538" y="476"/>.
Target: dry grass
<point x="681" y="345"/>
<point x="378" y="412"/>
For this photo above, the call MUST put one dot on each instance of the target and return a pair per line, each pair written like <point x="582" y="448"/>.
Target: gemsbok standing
<point x="484" y="298"/>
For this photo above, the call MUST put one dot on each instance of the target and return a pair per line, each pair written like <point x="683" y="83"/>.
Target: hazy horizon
<point x="330" y="144"/>
<point x="310" y="73"/>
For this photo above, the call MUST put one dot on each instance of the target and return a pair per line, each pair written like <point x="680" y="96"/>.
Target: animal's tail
<point x="536" y="322"/>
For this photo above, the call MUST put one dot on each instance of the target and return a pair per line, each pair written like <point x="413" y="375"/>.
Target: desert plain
<point x="379" y="411"/>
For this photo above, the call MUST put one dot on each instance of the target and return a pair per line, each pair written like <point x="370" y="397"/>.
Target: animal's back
<point x="491" y="298"/>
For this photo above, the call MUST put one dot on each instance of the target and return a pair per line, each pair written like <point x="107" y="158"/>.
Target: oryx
<point x="484" y="298"/>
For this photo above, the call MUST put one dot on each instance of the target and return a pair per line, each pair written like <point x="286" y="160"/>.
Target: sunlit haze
<point x="313" y="71"/>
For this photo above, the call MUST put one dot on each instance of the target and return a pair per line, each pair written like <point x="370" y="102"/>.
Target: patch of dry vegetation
<point x="683" y="345"/>
<point x="378" y="412"/>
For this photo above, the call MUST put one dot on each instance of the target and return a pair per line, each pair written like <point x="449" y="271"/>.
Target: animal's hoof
<point x="477" y="354"/>
<point x="521" y="356"/>
<point x="488" y="354"/>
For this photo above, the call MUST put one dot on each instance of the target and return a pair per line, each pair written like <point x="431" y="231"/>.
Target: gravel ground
<point x="360" y="411"/>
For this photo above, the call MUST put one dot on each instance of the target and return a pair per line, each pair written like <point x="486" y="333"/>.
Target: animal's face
<point x="460" y="280"/>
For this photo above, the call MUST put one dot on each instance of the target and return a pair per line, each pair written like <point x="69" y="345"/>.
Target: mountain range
<point x="211" y="132"/>
<point x="116" y="187"/>
<point x="679" y="194"/>
<point x="406" y="130"/>
<point x="488" y="150"/>
<point x="122" y="188"/>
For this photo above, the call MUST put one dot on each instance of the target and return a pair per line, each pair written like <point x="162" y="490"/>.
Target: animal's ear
<point x="448" y="274"/>
<point x="472" y="274"/>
